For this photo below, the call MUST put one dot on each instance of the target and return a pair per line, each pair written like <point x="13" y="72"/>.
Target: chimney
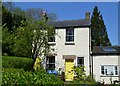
<point x="87" y="15"/>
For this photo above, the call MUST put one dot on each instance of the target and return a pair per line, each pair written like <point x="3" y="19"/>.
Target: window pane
<point x="51" y="36"/>
<point x="106" y="72"/>
<point x="51" y="66"/>
<point x="116" y="70"/>
<point x="110" y="70"/>
<point x="51" y="39"/>
<point x="69" y="31"/>
<point x="50" y="62"/>
<point x="102" y="70"/>
<point x="51" y="59"/>
<point x="69" y="38"/>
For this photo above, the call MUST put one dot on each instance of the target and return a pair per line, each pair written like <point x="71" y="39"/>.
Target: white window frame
<point x="51" y="42"/>
<point x="48" y="63"/>
<point x="109" y="70"/>
<point x="82" y="59"/>
<point x="69" y="36"/>
<point x="53" y="36"/>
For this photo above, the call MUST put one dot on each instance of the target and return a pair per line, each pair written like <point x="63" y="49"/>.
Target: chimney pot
<point x="87" y="15"/>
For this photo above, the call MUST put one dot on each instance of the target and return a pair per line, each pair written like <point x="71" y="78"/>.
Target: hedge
<point x="12" y="76"/>
<point x="17" y="62"/>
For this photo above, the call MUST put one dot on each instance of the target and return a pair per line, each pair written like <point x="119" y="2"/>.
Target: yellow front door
<point x="69" y="73"/>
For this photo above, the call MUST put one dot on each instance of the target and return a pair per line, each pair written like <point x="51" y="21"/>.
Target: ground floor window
<point x="50" y="62"/>
<point x="109" y="70"/>
<point x="80" y="61"/>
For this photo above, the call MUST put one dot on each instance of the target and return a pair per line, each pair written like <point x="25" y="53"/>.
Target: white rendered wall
<point x="104" y="60"/>
<point x="80" y="49"/>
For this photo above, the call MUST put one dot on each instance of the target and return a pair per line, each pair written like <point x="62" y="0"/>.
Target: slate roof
<point x="71" y="23"/>
<point x="112" y="50"/>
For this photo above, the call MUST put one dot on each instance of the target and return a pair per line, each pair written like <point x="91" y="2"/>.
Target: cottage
<point x="105" y="63"/>
<point x="71" y="46"/>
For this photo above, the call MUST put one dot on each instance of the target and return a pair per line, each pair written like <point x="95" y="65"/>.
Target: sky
<point x="61" y="0"/>
<point x="76" y="10"/>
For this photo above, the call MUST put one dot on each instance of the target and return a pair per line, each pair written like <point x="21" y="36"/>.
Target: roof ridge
<point x="70" y="20"/>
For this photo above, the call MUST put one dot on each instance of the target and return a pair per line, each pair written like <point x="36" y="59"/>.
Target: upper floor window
<point x="70" y="35"/>
<point x="51" y="37"/>
<point x="109" y="70"/>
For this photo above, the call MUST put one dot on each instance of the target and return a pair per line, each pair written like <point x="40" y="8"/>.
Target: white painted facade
<point x="103" y="60"/>
<point x="80" y="48"/>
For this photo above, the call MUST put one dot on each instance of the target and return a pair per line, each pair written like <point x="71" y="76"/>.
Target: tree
<point x="10" y="22"/>
<point x="7" y="41"/>
<point x="6" y="15"/>
<point x="31" y="39"/>
<point x="7" y="31"/>
<point x="28" y="34"/>
<point x="36" y="13"/>
<point x="14" y="14"/>
<point x="10" y="6"/>
<point x="98" y="29"/>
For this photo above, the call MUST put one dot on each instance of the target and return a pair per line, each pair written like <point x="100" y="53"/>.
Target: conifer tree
<point x="98" y="29"/>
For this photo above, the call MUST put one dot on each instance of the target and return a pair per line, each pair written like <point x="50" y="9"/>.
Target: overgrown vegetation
<point x="17" y="62"/>
<point x="13" y="76"/>
<point x="26" y="33"/>
<point x="81" y="77"/>
<point x="19" y="71"/>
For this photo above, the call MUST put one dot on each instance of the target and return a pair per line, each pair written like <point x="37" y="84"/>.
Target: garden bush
<point x="17" y="62"/>
<point x="12" y="76"/>
<point x="81" y="77"/>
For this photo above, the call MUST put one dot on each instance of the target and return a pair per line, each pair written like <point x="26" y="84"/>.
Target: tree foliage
<point x="31" y="39"/>
<point x="10" y="21"/>
<point x="80" y="73"/>
<point x="98" y="29"/>
<point x="36" y="13"/>
<point x="6" y="15"/>
<point x="81" y="76"/>
<point x="24" y="29"/>
<point x="7" y="41"/>
<point x="10" y="6"/>
<point x="22" y="42"/>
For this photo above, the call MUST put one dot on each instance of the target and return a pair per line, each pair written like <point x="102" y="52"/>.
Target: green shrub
<point x="81" y="77"/>
<point x="12" y="76"/>
<point x="17" y="62"/>
<point x="80" y="73"/>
